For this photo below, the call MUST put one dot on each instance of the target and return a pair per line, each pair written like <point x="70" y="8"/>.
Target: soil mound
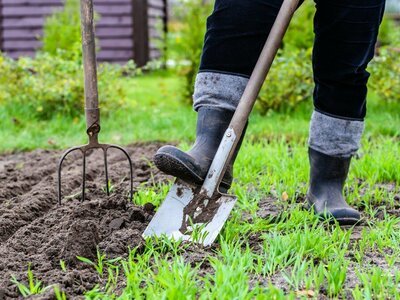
<point x="35" y="231"/>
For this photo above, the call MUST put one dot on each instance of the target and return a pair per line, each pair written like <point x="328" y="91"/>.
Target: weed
<point x="60" y="295"/>
<point x="101" y="264"/>
<point x="33" y="286"/>
<point x="335" y="274"/>
<point x="63" y="266"/>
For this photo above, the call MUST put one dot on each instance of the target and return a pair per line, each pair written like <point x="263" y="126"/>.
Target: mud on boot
<point x="192" y="166"/>
<point x="325" y="194"/>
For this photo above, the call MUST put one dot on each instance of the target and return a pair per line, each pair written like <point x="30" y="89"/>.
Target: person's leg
<point x="236" y="33"/>
<point x="345" y="37"/>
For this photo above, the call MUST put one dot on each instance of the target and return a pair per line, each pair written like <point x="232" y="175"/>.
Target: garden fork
<point x="92" y="111"/>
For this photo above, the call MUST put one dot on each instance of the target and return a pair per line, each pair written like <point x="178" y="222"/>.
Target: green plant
<point x="377" y="283"/>
<point x="63" y="265"/>
<point x="300" y="34"/>
<point x="101" y="264"/>
<point x="389" y="33"/>
<point x="60" y="295"/>
<point x="33" y="287"/>
<point x="187" y="40"/>
<point x="62" y="31"/>
<point x="296" y="278"/>
<point x="197" y="232"/>
<point x="47" y="85"/>
<point x="111" y="187"/>
<point x="289" y="82"/>
<point x="155" y="195"/>
<point x="335" y="274"/>
<point x="385" y="70"/>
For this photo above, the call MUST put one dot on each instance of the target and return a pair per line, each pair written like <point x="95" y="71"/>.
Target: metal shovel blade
<point x="190" y="215"/>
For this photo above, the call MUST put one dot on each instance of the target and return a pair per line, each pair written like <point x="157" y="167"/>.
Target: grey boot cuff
<point x="218" y="90"/>
<point x="334" y="136"/>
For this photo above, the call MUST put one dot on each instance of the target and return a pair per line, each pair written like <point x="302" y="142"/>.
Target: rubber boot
<point x="325" y="195"/>
<point x="192" y="166"/>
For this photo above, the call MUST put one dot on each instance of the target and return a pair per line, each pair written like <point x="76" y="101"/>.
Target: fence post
<point x="140" y="32"/>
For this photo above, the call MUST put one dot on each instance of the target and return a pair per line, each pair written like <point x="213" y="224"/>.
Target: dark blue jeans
<point x="345" y="37"/>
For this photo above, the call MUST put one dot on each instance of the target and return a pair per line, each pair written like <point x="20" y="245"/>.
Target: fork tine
<point x="130" y="168"/>
<point x="83" y="176"/>
<point x="106" y="170"/>
<point x="83" y="150"/>
<point x="59" y="170"/>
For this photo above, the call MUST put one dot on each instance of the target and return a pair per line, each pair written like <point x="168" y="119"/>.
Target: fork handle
<point x="90" y="68"/>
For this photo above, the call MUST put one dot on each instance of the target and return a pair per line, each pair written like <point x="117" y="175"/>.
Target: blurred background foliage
<point x="51" y="83"/>
<point x="185" y="40"/>
<point x="62" y="31"/>
<point x="290" y="82"/>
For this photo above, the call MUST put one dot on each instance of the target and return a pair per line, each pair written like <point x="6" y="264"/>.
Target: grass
<point x="155" y="113"/>
<point x="285" y="254"/>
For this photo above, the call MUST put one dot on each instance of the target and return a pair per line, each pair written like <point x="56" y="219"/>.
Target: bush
<point x="48" y="85"/>
<point x="389" y="33"/>
<point x="52" y="83"/>
<point x="385" y="74"/>
<point x="289" y="81"/>
<point x="62" y="30"/>
<point x="300" y="34"/>
<point x="186" y="40"/>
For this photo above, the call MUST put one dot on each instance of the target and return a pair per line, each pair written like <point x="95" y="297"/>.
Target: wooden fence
<point x="126" y="30"/>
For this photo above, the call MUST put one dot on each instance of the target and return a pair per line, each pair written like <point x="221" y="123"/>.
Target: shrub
<point x="300" y="34"/>
<point x="186" y="40"/>
<point x="385" y="74"/>
<point x="62" y="30"/>
<point x="389" y="33"/>
<point x="289" y="81"/>
<point x="52" y="83"/>
<point x="47" y="85"/>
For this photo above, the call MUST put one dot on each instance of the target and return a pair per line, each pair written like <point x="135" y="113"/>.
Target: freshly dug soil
<point x="35" y="230"/>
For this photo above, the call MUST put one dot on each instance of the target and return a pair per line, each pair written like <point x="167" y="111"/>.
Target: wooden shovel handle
<point x="249" y="97"/>
<point x="263" y="66"/>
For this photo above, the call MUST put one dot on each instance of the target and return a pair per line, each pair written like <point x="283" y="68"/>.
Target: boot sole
<point x="341" y="221"/>
<point x="173" y="166"/>
<point x="332" y="219"/>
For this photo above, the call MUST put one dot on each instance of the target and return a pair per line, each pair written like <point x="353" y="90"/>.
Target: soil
<point x="200" y="210"/>
<point x="36" y="231"/>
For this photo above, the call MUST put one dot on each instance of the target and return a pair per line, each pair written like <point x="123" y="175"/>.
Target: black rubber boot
<point x="192" y="166"/>
<point x="325" y="194"/>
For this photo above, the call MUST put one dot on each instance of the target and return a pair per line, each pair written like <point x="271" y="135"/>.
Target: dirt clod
<point x="149" y="207"/>
<point x="117" y="223"/>
<point x="137" y="215"/>
<point x="82" y="239"/>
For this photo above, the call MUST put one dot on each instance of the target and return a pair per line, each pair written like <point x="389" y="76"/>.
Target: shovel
<point x="196" y="213"/>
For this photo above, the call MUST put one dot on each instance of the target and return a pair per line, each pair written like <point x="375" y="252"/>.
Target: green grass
<point x="285" y="256"/>
<point x="155" y="112"/>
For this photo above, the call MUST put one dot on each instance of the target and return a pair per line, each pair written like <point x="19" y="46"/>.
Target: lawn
<point x="271" y="247"/>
